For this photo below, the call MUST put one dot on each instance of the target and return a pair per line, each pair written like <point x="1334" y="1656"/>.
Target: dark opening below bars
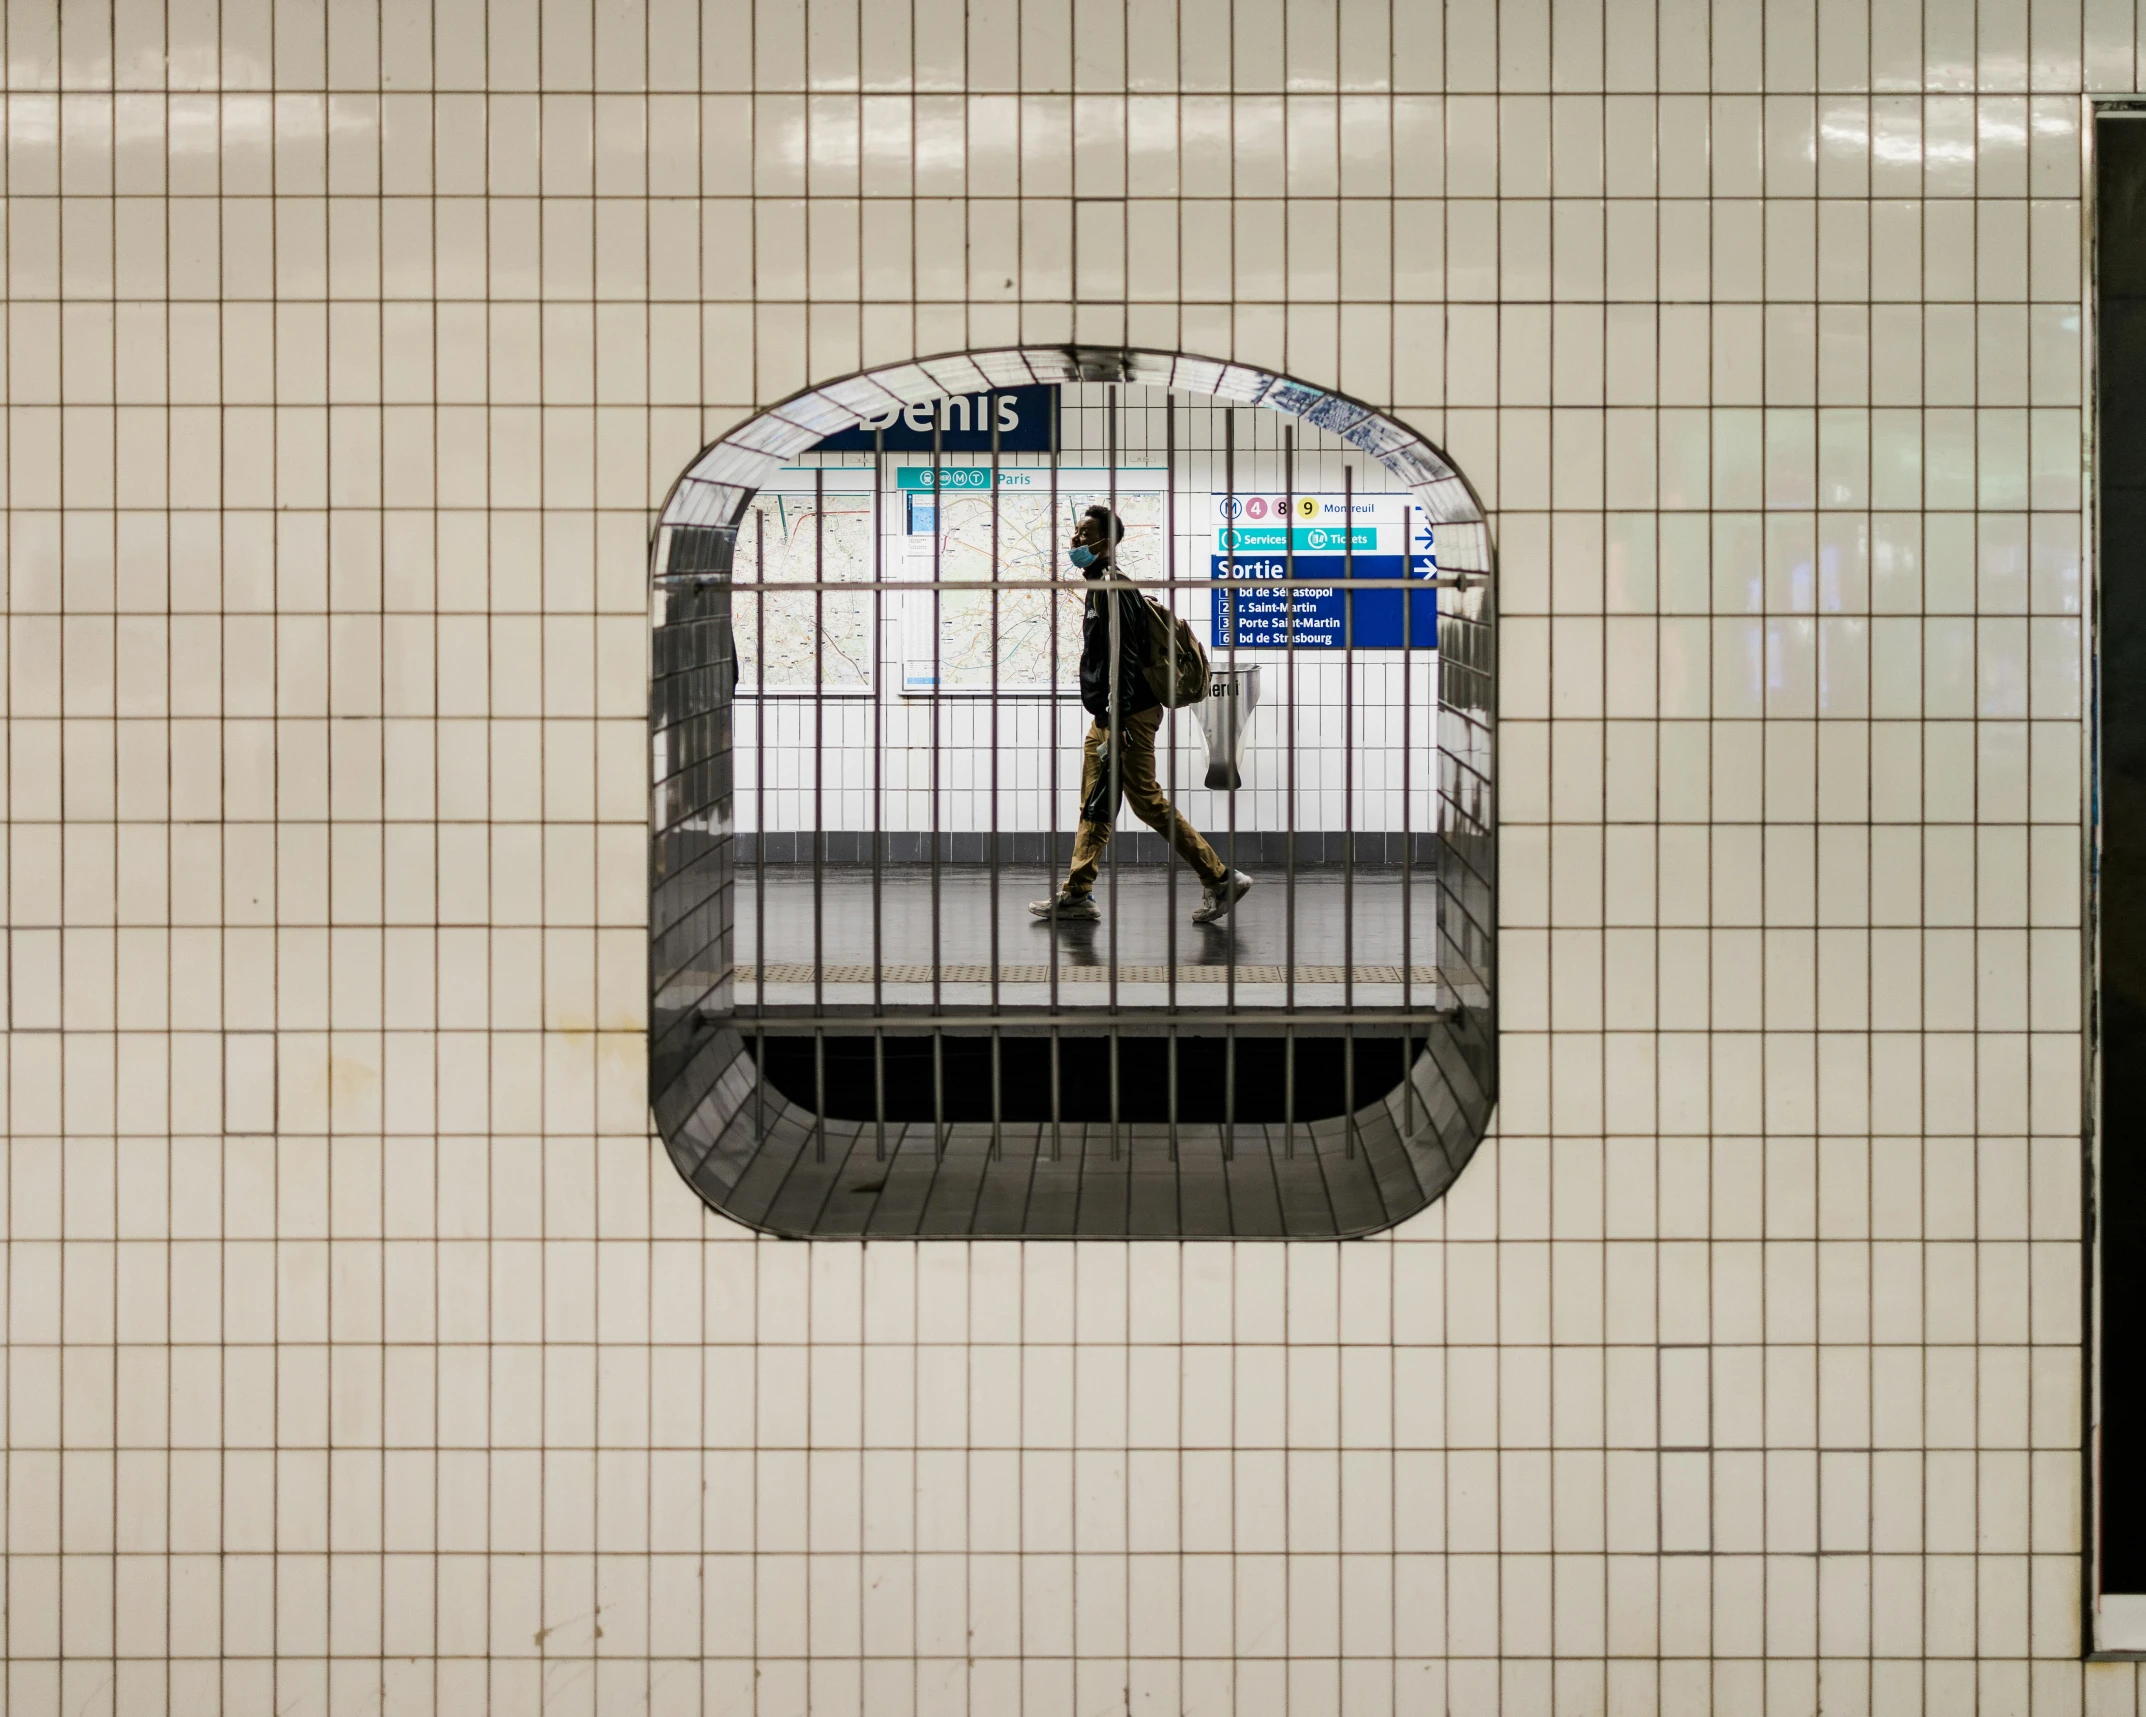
<point x="1302" y="1079"/>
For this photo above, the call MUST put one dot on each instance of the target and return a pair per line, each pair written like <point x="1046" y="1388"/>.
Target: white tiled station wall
<point x="364" y="1354"/>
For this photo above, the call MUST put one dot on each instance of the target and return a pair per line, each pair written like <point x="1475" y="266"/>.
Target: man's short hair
<point x="1109" y="521"/>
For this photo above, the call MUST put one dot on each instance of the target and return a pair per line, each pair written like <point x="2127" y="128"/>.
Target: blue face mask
<point x="1081" y="555"/>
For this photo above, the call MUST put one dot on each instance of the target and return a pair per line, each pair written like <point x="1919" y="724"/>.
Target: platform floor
<point x="1347" y="940"/>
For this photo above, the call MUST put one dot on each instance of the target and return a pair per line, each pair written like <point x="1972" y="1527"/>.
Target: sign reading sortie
<point x="1265" y="537"/>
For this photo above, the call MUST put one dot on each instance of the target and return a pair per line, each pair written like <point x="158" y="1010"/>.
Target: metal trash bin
<point x="1232" y="695"/>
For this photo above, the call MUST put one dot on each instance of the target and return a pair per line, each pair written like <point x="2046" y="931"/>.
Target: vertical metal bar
<point x="1115" y="1093"/>
<point x="1229" y="663"/>
<point x="1229" y="658"/>
<point x="1348" y="806"/>
<point x="1348" y="1089"/>
<point x="819" y="810"/>
<point x="938" y="704"/>
<point x="1229" y="1091"/>
<point x="998" y="1136"/>
<point x="879" y="816"/>
<point x="760" y="1077"/>
<point x="1056" y="722"/>
<point x="1348" y="739"/>
<point x="1289" y="1089"/>
<point x="819" y="1094"/>
<point x="1289" y="770"/>
<point x="1169" y="567"/>
<point x="1171" y="1076"/>
<point x="1169" y="597"/>
<point x="1118" y="694"/>
<point x="760" y="709"/>
<point x="1114" y="609"/>
<point x="1408" y="838"/>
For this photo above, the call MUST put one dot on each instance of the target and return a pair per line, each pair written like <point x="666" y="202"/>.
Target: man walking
<point x="1112" y="680"/>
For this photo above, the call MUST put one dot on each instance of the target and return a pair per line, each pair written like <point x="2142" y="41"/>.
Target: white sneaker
<point x="1064" y="906"/>
<point x="1221" y="897"/>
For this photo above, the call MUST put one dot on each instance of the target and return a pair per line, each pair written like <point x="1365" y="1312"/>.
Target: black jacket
<point x="1133" y="693"/>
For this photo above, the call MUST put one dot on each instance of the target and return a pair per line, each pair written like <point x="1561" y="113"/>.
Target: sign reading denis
<point x="1024" y="419"/>
<point x="1266" y="537"/>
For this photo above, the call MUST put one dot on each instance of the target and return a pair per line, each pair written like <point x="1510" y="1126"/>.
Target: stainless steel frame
<point x="1409" y="1123"/>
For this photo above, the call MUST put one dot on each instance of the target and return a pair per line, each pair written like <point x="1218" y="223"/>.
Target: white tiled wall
<point x="363" y="1352"/>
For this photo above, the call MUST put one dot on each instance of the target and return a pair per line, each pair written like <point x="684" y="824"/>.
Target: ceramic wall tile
<point x="362" y="1348"/>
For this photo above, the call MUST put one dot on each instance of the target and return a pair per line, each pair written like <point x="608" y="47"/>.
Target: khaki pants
<point x="1136" y="775"/>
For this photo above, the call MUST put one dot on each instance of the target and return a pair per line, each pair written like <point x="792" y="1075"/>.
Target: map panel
<point x="1036" y="632"/>
<point x="804" y="639"/>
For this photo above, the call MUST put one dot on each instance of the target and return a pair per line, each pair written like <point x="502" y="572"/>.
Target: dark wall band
<point x="2120" y="361"/>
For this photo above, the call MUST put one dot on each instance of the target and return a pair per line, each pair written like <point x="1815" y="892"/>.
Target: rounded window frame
<point x="718" y="1118"/>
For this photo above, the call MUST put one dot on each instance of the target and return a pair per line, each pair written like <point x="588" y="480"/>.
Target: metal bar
<point x="1115" y="696"/>
<point x="1408" y="839"/>
<point x="998" y="1136"/>
<point x="1289" y="1093"/>
<point x="1054" y="746"/>
<point x="1229" y="663"/>
<point x="1057" y="1080"/>
<point x="1229" y="660"/>
<point x="1348" y="727"/>
<point x="1169" y="567"/>
<point x="1459" y="581"/>
<point x="1229" y="1087"/>
<point x="963" y="972"/>
<point x="819" y="1097"/>
<point x="1348" y="1089"/>
<point x="938" y="674"/>
<point x="1172" y="1075"/>
<point x="879" y="761"/>
<point x="819" y="801"/>
<point x="1114" y="534"/>
<point x="760" y="947"/>
<point x="1348" y="801"/>
<point x="1289" y="810"/>
<point x="1258" y="1022"/>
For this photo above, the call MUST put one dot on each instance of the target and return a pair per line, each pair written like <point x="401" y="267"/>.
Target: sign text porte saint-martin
<point x="1266" y="537"/>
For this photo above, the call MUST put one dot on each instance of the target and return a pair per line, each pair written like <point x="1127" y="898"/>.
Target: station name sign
<point x="1024" y="420"/>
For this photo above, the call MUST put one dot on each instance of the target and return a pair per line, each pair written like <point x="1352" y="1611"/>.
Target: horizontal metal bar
<point x="776" y="1020"/>
<point x="705" y="580"/>
<point x="804" y="972"/>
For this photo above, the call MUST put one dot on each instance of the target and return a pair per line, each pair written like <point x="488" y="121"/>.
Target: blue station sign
<point x="1024" y="419"/>
<point x="1260" y="540"/>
